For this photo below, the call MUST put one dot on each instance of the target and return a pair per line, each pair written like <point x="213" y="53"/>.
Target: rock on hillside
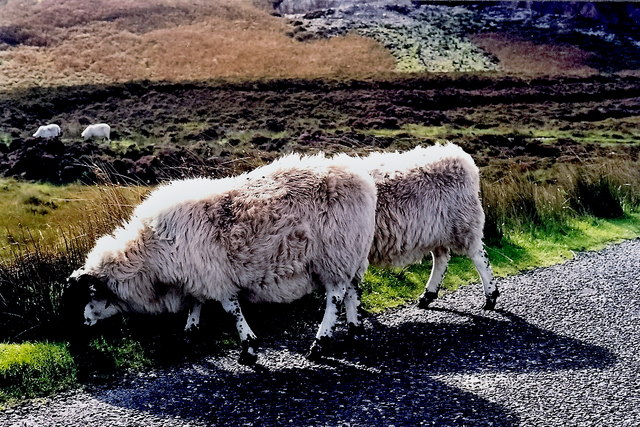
<point x="434" y="37"/>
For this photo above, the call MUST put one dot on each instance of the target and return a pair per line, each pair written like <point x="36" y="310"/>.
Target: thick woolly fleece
<point x="428" y="198"/>
<point x="273" y="234"/>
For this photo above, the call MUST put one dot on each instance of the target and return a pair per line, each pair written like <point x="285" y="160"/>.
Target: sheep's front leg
<point x="335" y="296"/>
<point x="481" y="261"/>
<point x="193" y="320"/>
<point x="441" y="257"/>
<point x="248" y="339"/>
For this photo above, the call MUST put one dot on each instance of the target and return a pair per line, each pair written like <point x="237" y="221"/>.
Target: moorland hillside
<point x="69" y="42"/>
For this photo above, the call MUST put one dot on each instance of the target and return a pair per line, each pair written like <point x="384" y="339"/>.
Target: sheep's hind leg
<point x="335" y="296"/>
<point x="193" y="320"/>
<point x="352" y="305"/>
<point x="248" y="340"/>
<point x="441" y="257"/>
<point x="481" y="261"/>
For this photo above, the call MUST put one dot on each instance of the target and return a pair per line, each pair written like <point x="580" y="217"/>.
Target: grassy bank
<point x="518" y="251"/>
<point x="36" y="215"/>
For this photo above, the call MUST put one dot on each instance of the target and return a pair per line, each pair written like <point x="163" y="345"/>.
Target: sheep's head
<point x="92" y="293"/>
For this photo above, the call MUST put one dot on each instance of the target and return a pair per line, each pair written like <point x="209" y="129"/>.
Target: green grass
<point x="121" y="354"/>
<point x="31" y="206"/>
<point x="34" y="369"/>
<point x="5" y="138"/>
<point x="518" y="251"/>
<point x="29" y="370"/>
<point x="628" y="132"/>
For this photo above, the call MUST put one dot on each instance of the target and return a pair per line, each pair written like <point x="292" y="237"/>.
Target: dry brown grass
<point x="44" y="215"/>
<point x="77" y="41"/>
<point x="527" y="58"/>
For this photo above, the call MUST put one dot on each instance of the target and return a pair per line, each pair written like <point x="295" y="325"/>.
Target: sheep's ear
<point x="108" y="303"/>
<point x="74" y="297"/>
<point x="77" y="282"/>
<point x="91" y="287"/>
<point x="99" y="290"/>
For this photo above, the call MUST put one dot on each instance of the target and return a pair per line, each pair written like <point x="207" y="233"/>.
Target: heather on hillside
<point x="162" y="131"/>
<point x="80" y="42"/>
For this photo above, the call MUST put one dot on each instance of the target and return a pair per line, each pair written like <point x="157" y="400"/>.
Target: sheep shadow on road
<point x="385" y="378"/>
<point x="500" y="342"/>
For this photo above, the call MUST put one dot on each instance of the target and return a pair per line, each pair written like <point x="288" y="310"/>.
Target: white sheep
<point x="100" y="130"/>
<point x="428" y="201"/>
<point x="274" y="234"/>
<point x="48" y="131"/>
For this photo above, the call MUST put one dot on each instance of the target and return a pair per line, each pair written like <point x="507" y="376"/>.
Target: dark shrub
<point x="597" y="197"/>
<point x="274" y="125"/>
<point x="13" y="35"/>
<point x="259" y="140"/>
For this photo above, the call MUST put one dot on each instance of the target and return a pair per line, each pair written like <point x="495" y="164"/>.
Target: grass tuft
<point x="120" y="354"/>
<point x="597" y="197"/>
<point x="34" y="369"/>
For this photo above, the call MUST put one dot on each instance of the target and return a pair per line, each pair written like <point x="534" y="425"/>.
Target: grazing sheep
<point x="428" y="201"/>
<point x="100" y="130"/>
<point x="274" y="234"/>
<point x="48" y="131"/>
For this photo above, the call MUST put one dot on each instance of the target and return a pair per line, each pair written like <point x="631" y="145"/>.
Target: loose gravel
<point x="561" y="350"/>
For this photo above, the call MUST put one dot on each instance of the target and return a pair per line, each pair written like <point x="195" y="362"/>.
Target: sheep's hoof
<point x="490" y="303"/>
<point x="248" y="355"/>
<point x="355" y="331"/>
<point x="247" y="359"/>
<point x="427" y="299"/>
<point x="192" y="335"/>
<point x="318" y="349"/>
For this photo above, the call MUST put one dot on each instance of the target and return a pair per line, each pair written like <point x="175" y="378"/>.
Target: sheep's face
<point x="98" y="309"/>
<point x="93" y="294"/>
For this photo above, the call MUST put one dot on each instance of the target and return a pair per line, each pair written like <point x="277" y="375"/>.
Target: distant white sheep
<point x="428" y="201"/>
<point x="48" y="131"/>
<point x="274" y="234"/>
<point x="100" y="130"/>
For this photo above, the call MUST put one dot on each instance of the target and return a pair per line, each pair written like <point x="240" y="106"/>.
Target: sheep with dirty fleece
<point x="428" y="201"/>
<point x="274" y="234"/>
<point x="48" y="131"/>
<point x="99" y="130"/>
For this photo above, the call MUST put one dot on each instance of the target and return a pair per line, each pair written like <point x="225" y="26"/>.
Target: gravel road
<point x="561" y="350"/>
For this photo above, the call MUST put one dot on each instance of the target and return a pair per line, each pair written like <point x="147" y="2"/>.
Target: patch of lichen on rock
<point x="430" y="48"/>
